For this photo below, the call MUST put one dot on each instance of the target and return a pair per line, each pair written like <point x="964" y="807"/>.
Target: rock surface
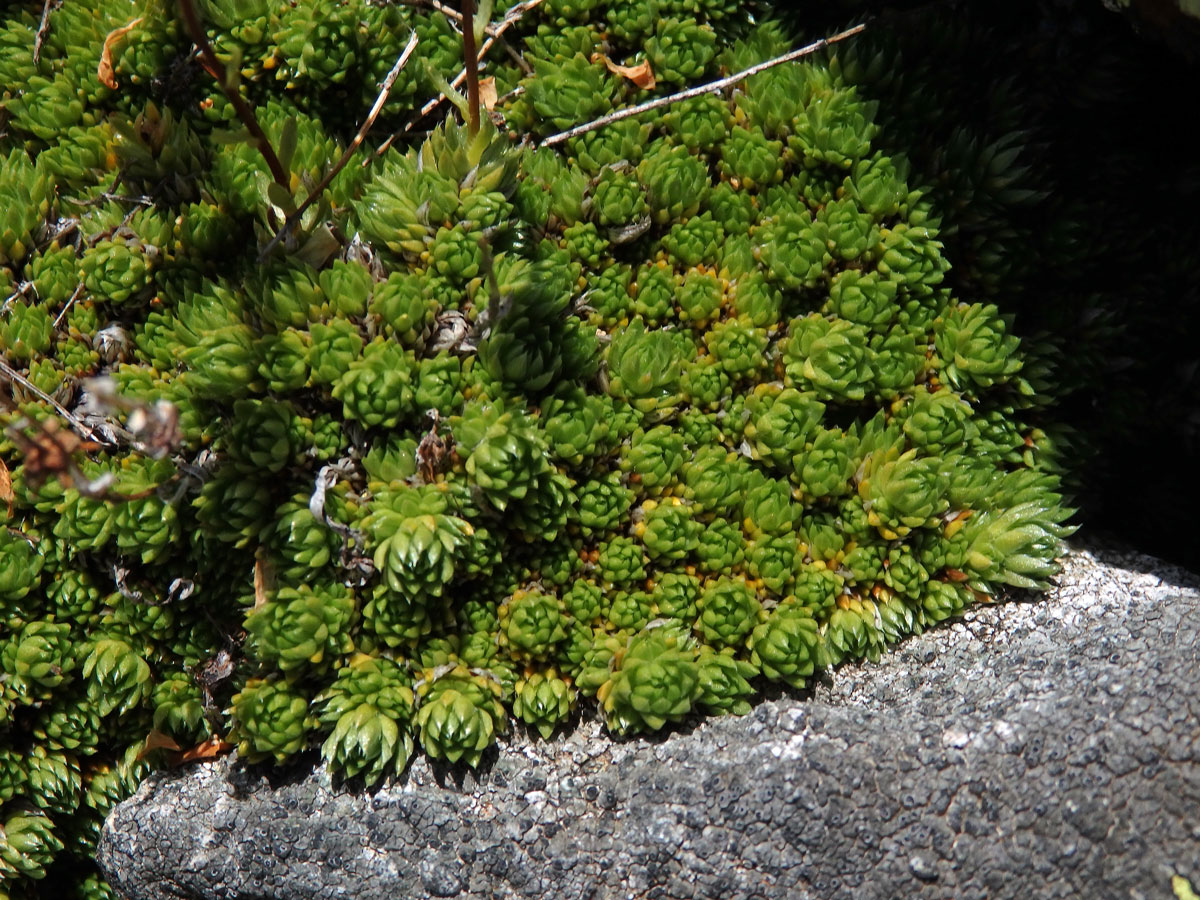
<point x="1031" y="750"/>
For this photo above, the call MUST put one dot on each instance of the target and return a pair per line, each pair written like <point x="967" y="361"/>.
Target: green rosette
<point x="271" y="720"/>
<point x="543" y="701"/>
<point x="785" y="645"/>
<point x="459" y="716"/>
<point x="654" y="680"/>
<point x="531" y="624"/>
<point x="368" y="711"/>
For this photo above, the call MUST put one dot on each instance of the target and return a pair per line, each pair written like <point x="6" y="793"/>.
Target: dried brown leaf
<point x="210" y="749"/>
<point x="156" y="740"/>
<point x="263" y="582"/>
<point x="487" y="93"/>
<point x="212" y="672"/>
<point x="105" y="70"/>
<point x="641" y="74"/>
<point x="6" y="491"/>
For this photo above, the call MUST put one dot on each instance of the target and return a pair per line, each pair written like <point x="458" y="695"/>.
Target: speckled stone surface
<point x="1031" y="750"/>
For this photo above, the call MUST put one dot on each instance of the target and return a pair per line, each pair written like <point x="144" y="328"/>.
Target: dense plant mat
<point x="640" y="422"/>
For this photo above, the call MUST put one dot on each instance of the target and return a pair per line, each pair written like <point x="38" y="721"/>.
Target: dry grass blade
<point x="699" y="90"/>
<point x="7" y="498"/>
<point x="105" y="71"/>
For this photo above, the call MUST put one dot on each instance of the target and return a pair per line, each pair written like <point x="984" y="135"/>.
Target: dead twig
<point x="351" y="538"/>
<point x="710" y="88"/>
<point x="43" y="28"/>
<point x="109" y="197"/>
<point x="80" y="428"/>
<point x="516" y="57"/>
<point x="449" y="12"/>
<point x="494" y="33"/>
<point x="217" y="70"/>
<point x="50" y="451"/>
<point x="388" y="83"/>
<point x="19" y="292"/>
<point x="65" y="227"/>
<point x="153" y="429"/>
<point x="515" y="92"/>
<point x="70" y="302"/>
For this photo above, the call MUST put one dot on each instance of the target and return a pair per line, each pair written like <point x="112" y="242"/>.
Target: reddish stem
<point x="471" y="61"/>
<point x="245" y="113"/>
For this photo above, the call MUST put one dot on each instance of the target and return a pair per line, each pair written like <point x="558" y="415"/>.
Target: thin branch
<point x="449" y="12"/>
<point x="516" y="57"/>
<point x="65" y="227"/>
<point x="245" y="113"/>
<point x="494" y="34"/>
<point x="43" y="28"/>
<point x="76" y="423"/>
<point x="471" y="66"/>
<point x="710" y="88"/>
<point x="70" y="302"/>
<point x="19" y="292"/>
<point x="515" y="92"/>
<point x="108" y="196"/>
<point x="384" y="91"/>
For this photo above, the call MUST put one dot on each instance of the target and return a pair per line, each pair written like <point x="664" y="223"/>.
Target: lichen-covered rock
<point x="1032" y="749"/>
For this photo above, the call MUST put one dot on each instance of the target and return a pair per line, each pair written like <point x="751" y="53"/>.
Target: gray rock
<point x="1032" y="749"/>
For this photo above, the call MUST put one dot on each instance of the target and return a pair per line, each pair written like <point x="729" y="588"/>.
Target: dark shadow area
<point x="1051" y="137"/>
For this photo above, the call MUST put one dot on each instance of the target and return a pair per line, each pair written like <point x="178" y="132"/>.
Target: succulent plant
<point x="368" y="709"/>
<point x="543" y="701"/>
<point x="416" y="542"/>
<point x="460" y="715"/>
<point x="29" y="844"/>
<point x="531" y="623"/>
<point x="26" y="203"/>
<point x="566" y="92"/>
<point x="117" y="677"/>
<point x="687" y="405"/>
<point x="655" y="679"/>
<point x="38" y="658"/>
<point x="644" y="367"/>
<point x="270" y="720"/>
<point x="179" y="708"/>
<point x="302" y="627"/>
<point x="681" y="50"/>
<point x="975" y="349"/>
<point x="676" y="183"/>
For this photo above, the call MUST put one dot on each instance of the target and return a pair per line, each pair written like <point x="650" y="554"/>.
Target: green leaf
<point x="444" y="87"/>
<point x="287" y="143"/>
<point x="233" y="70"/>
<point x="318" y="248"/>
<point x="281" y="197"/>
<point x="483" y="16"/>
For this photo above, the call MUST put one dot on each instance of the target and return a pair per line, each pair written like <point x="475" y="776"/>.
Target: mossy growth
<point x="493" y="434"/>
